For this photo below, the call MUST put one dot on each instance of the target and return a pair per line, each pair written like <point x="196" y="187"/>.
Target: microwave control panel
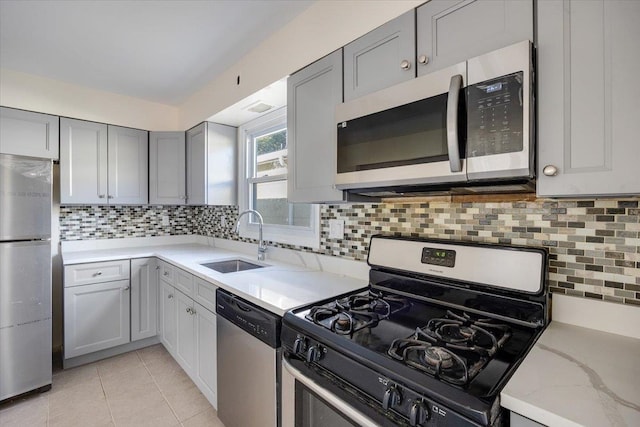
<point x="495" y="116"/>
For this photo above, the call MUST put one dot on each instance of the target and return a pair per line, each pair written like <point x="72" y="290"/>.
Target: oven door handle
<point x="453" y="139"/>
<point x="328" y="397"/>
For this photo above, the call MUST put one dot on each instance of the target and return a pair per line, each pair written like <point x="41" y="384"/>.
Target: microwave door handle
<point x="453" y="140"/>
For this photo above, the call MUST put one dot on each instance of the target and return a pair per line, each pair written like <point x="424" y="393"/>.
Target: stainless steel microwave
<point x="468" y="125"/>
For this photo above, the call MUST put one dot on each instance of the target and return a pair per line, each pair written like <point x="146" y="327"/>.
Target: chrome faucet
<point x="262" y="248"/>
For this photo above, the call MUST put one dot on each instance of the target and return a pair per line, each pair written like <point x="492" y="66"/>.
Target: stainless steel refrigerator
<point x="25" y="275"/>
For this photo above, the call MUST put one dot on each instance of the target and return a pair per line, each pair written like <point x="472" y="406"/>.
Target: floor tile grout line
<point x="158" y="387"/>
<point x="106" y="398"/>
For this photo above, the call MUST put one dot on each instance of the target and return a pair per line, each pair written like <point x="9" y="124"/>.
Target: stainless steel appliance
<point x="469" y="125"/>
<point x="249" y="363"/>
<point x="441" y="329"/>
<point x="25" y="275"/>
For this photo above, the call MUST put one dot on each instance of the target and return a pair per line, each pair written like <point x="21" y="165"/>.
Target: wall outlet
<point x="165" y="220"/>
<point x="223" y="221"/>
<point x="336" y="229"/>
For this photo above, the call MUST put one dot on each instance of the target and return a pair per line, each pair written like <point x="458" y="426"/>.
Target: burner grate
<point x="454" y="348"/>
<point x="351" y="314"/>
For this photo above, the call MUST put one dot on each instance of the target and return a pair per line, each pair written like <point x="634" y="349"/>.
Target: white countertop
<point x="577" y="376"/>
<point x="278" y="287"/>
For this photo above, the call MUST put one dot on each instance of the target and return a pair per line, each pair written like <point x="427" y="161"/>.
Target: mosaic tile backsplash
<point x="594" y="245"/>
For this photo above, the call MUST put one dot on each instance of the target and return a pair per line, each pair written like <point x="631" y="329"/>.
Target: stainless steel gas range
<point x="432" y="342"/>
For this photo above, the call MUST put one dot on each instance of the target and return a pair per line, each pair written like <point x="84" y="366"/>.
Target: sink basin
<point x="231" y="265"/>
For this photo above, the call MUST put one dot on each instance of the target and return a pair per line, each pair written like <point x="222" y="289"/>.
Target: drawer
<point x="205" y="293"/>
<point x="95" y="272"/>
<point x="184" y="282"/>
<point x="167" y="272"/>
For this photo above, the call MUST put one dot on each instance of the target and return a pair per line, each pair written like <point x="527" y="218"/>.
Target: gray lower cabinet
<point x="188" y="329"/>
<point x="24" y="133"/>
<point x="312" y="94"/>
<point x="380" y="58"/>
<point x="102" y="164"/>
<point x="144" y="298"/>
<point x="167" y="168"/>
<point x="452" y="31"/>
<point x="168" y="319"/>
<point x="96" y="317"/>
<point x="185" y="342"/>
<point x="588" y="109"/>
<point x="211" y="165"/>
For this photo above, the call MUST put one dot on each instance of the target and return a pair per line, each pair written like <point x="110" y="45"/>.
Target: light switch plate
<point x="336" y="229"/>
<point x="165" y="221"/>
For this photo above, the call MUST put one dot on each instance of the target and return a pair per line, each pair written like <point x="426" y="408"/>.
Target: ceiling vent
<point x="258" y="107"/>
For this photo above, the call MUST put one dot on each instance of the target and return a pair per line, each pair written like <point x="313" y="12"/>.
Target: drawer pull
<point x="97" y="273"/>
<point x="166" y="273"/>
<point x="126" y="288"/>
<point x="170" y="296"/>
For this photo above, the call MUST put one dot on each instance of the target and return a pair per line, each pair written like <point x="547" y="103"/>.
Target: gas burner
<point x="438" y="361"/>
<point x="438" y="357"/>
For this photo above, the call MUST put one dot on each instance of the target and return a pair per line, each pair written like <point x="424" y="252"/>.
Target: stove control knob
<point x="314" y="353"/>
<point x="299" y="345"/>
<point x="419" y="413"/>
<point x="392" y="397"/>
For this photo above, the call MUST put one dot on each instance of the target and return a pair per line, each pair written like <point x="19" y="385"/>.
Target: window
<point x="263" y="184"/>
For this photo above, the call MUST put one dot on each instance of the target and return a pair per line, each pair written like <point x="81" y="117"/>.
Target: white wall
<point x="29" y="92"/>
<point x="324" y="27"/>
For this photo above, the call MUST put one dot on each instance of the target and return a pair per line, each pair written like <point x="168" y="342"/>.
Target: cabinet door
<point x="221" y="180"/>
<point x="312" y="94"/>
<point x="144" y="298"/>
<point x="83" y="162"/>
<point x="128" y="166"/>
<point x="197" y="165"/>
<point x="167" y="168"/>
<point x="380" y="58"/>
<point x="25" y="133"/>
<point x="84" y="330"/>
<point x="588" y="105"/>
<point x="452" y="31"/>
<point x="168" y="316"/>
<point x="206" y="355"/>
<point x="185" y="342"/>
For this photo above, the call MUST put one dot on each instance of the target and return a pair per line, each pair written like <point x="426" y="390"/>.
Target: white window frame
<point x="287" y="234"/>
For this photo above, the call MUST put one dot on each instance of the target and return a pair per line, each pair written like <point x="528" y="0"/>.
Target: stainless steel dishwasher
<point x="249" y="363"/>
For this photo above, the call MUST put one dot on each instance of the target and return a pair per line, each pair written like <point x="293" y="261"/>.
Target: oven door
<point x="408" y="134"/>
<point x="306" y="404"/>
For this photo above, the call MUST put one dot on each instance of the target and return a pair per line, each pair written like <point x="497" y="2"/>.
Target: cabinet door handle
<point x="405" y="65"/>
<point x="423" y="59"/>
<point x="157" y="267"/>
<point x="126" y="288"/>
<point x="109" y="197"/>
<point x="100" y="196"/>
<point x="550" y="170"/>
<point x="170" y="296"/>
<point x="166" y="273"/>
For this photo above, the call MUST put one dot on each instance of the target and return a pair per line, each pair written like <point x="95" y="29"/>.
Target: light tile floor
<point x="142" y="388"/>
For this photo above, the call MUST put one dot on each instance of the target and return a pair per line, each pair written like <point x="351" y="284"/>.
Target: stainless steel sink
<point x="231" y="265"/>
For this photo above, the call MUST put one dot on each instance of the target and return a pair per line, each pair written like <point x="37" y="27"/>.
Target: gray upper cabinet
<point x="83" y="162"/>
<point x="588" y="108"/>
<point x="102" y="164"/>
<point x="380" y="58"/>
<point x="167" y="168"/>
<point x="452" y="31"/>
<point x="128" y="166"/>
<point x="312" y="94"/>
<point x="25" y="133"/>
<point x="211" y="165"/>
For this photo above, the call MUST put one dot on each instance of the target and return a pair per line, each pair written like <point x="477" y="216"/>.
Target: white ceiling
<point x="162" y="51"/>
